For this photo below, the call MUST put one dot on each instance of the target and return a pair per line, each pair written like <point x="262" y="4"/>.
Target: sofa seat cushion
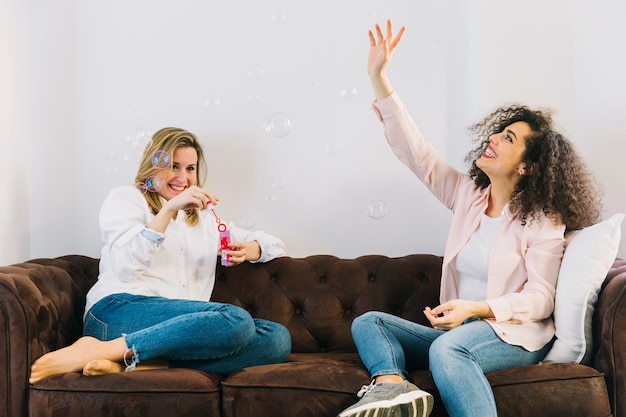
<point x="546" y="390"/>
<point x="308" y="388"/>
<point x="348" y="357"/>
<point x="157" y="393"/>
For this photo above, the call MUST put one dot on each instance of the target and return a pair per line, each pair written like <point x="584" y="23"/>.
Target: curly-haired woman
<point x="526" y="186"/>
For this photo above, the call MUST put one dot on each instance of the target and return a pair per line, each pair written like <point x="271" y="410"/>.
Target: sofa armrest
<point x="609" y="326"/>
<point x="41" y="307"/>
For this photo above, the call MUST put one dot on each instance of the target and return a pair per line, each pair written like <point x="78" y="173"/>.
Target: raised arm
<point x="381" y="49"/>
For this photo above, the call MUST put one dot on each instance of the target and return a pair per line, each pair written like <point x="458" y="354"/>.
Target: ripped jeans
<point x="209" y="336"/>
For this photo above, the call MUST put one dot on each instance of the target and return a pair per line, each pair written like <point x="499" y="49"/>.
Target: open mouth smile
<point x="489" y="153"/>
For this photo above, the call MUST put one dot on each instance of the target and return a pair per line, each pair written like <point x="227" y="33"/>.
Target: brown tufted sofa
<point x="41" y="305"/>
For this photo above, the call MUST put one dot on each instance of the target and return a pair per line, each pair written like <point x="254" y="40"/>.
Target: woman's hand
<point x="244" y="251"/>
<point x="381" y="49"/>
<point x="192" y="197"/>
<point x="456" y="312"/>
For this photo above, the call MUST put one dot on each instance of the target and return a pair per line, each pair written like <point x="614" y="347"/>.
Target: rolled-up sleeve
<point x="271" y="246"/>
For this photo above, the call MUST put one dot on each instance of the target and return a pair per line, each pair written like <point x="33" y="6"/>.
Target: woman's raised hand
<point x="381" y="49"/>
<point x="192" y="197"/>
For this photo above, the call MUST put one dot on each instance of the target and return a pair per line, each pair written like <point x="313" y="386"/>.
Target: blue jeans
<point x="458" y="359"/>
<point x="215" y="337"/>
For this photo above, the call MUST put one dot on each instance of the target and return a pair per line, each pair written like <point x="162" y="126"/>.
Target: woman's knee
<point x="237" y="317"/>
<point x="443" y="349"/>
<point x="234" y="314"/>
<point x="277" y="339"/>
<point x="235" y="324"/>
<point x="364" y="321"/>
<point x="438" y="349"/>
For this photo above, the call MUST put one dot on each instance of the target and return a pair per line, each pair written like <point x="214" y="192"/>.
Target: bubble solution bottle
<point x="224" y="238"/>
<point x="224" y="241"/>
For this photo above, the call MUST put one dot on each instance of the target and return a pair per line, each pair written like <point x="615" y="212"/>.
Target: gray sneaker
<point x="391" y="400"/>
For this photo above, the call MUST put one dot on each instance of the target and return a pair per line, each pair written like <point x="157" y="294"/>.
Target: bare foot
<point x="102" y="367"/>
<point x="73" y="358"/>
<point x="151" y="364"/>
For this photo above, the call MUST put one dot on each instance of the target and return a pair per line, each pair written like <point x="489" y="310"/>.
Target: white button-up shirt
<point x="177" y="264"/>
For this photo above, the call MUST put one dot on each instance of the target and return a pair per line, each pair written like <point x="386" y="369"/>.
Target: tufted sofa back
<point x="317" y="297"/>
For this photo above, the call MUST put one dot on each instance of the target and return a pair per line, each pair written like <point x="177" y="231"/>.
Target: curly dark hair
<point x="558" y="184"/>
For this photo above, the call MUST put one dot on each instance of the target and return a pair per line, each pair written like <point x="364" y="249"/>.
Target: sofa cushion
<point x="316" y="386"/>
<point x="589" y="254"/>
<point x="308" y="388"/>
<point x="169" y="392"/>
<point x="546" y="390"/>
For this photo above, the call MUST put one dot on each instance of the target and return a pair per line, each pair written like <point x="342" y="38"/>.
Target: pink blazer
<point x="525" y="260"/>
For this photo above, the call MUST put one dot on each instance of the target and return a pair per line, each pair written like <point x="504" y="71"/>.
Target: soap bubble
<point x="141" y="187"/>
<point x="161" y="159"/>
<point x="279" y="181"/>
<point x="248" y="220"/>
<point x="138" y="138"/>
<point x="376" y="209"/>
<point x="254" y="98"/>
<point x="278" y="125"/>
<point x="154" y="184"/>
<point x="131" y="155"/>
<point x="348" y="93"/>
<point x="115" y="155"/>
<point x="269" y="199"/>
<point x="332" y="147"/>
<point x="279" y="17"/>
<point x="212" y="103"/>
<point x="256" y="72"/>
<point x="380" y="16"/>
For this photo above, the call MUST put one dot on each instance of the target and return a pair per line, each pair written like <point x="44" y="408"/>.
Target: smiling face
<point x="502" y="160"/>
<point x="182" y="175"/>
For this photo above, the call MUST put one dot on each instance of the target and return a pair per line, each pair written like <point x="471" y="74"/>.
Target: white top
<point x="472" y="262"/>
<point x="177" y="264"/>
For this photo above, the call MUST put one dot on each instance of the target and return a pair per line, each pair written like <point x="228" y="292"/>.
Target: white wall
<point x="99" y="72"/>
<point x="13" y="186"/>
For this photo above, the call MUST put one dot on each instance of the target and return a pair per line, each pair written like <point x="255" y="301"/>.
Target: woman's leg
<point x="271" y="343"/>
<point x="203" y="335"/>
<point x="386" y="342"/>
<point x="459" y="360"/>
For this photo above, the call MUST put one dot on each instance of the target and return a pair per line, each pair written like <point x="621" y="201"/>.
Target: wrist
<point x="254" y="254"/>
<point x="483" y="310"/>
<point x="382" y="88"/>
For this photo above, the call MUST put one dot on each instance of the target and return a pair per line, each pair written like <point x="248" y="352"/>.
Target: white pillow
<point x="589" y="254"/>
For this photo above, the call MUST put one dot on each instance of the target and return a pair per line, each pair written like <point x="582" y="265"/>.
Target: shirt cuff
<point x="501" y="310"/>
<point x="154" y="237"/>
<point x="263" y="249"/>
<point x="386" y="106"/>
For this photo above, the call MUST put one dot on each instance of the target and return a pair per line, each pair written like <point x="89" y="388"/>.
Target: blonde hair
<point x="168" y="140"/>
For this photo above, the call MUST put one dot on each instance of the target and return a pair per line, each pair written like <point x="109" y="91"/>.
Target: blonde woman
<point x="160" y="245"/>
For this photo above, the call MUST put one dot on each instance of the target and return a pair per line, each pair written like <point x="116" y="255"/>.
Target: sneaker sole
<point x="410" y="404"/>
